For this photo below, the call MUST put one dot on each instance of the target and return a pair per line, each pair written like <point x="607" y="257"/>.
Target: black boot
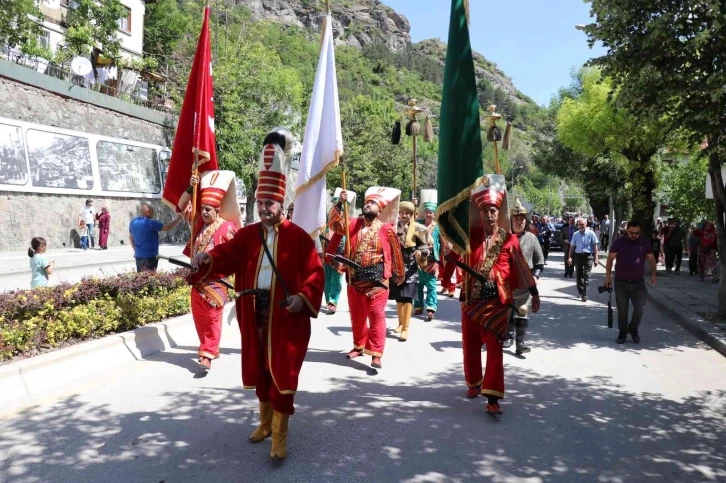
<point x="521" y="326"/>
<point x="510" y="335"/>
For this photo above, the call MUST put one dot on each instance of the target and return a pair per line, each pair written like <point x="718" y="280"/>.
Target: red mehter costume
<point x="209" y="296"/>
<point x="274" y="340"/>
<point x="486" y="307"/>
<point x="376" y="248"/>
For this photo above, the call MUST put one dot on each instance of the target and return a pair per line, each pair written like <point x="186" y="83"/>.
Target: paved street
<point x="579" y="408"/>
<point x="72" y="264"/>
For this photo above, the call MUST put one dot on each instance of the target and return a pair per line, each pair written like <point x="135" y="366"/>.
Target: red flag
<point x="195" y="130"/>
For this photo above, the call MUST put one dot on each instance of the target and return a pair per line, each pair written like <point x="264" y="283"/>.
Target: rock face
<point x="356" y="23"/>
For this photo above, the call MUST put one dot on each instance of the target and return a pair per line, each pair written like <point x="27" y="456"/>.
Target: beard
<point x="369" y="215"/>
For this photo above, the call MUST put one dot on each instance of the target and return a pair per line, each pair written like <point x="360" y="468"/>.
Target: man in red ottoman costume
<point x="487" y="306"/>
<point x="219" y="222"/>
<point x="280" y="280"/>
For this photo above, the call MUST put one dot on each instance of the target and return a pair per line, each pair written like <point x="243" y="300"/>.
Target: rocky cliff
<point x="355" y="22"/>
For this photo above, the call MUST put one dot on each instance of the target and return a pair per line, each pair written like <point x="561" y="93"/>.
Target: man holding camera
<point x="631" y="252"/>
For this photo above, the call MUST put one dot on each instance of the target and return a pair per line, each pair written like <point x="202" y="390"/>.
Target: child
<point x="655" y="243"/>
<point x="40" y="269"/>
<point x="83" y="233"/>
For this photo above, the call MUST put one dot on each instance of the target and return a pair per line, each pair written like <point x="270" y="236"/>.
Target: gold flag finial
<point x="466" y="9"/>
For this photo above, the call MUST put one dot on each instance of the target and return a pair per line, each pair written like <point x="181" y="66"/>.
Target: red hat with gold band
<point x="492" y="191"/>
<point x="274" y="165"/>
<point x="218" y="189"/>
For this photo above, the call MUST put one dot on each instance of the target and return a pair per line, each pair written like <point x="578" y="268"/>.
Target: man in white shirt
<point x="88" y="215"/>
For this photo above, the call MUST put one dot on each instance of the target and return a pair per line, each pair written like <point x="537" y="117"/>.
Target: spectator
<point x="630" y="254"/>
<point x="605" y="233"/>
<point x="694" y="243"/>
<point x="88" y="216"/>
<point x="104" y="227"/>
<point x="655" y="245"/>
<point x="40" y="268"/>
<point x="566" y="234"/>
<point x="144" y="237"/>
<point x="674" y="246"/>
<point x="546" y="230"/>
<point x="83" y="234"/>
<point x="707" y="252"/>
<point x="583" y="254"/>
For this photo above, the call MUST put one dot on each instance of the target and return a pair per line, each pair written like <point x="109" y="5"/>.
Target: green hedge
<point x="33" y="321"/>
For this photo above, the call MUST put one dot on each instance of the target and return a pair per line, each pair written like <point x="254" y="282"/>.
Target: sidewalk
<point x="14" y="263"/>
<point x="690" y="302"/>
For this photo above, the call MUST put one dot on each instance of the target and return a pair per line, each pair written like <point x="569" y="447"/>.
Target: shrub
<point x="48" y="317"/>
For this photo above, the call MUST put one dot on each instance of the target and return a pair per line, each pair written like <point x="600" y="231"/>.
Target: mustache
<point x="264" y="212"/>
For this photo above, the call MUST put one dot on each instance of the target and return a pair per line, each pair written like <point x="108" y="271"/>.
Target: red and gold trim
<point x="488" y="197"/>
<point x="208" y="355"/>
<point x="372" y="353"/>
<point x="313" y="310"/>
<point x="490" y="392"/>
<point x="212" y="197"/>
<point x="377" y="199"/>
<point x="477" y="384"/>
<point x="271" y="186"/>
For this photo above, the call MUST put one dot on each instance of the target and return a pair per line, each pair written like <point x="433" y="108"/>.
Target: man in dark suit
<point x="566" y="234"/>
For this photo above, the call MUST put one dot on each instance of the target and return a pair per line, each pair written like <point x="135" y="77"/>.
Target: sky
<point x="533" y="41"/>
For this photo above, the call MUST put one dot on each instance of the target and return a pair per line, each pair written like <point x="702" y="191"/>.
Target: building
<point x="130" y="25"/>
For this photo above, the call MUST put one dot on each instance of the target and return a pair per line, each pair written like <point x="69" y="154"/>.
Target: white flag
<point x="323" y="142"/>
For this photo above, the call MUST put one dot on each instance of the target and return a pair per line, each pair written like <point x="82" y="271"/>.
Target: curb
<point x="39" y="374"/>
<point x="702" y="329"/>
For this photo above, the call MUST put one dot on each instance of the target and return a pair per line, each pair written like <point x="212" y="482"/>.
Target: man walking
<point x="583" y="254"/>
<point x="546" y="230"/>
<point x="144" y="237"/>
<point x="87" y="215"/>
<point x="630" y="254"/>
<point x="429" y="265"/>
<point x="276" y="264"/>
<point x="674" y="246"/>
<point x="605" y="233"/>
<point x="375" y="247"/>
<point x="218" y="223"/>
<point x="566" y="235"/>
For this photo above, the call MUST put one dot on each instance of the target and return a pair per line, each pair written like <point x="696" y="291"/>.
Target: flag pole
<point x="345" y="208"/>
<point x="412" y="111"/>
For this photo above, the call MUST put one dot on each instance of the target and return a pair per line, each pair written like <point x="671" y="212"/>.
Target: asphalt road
<point x="579" y="408"/>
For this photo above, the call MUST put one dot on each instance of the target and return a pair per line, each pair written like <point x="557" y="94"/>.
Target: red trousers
<point x="449" y="269"/>
<point x="266" y="390"/>
<point x="208" y="322"/>
<point x="368" y="317"/>
<point x="473" y="336"/>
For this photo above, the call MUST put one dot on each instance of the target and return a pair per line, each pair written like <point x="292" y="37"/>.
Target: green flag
<point x="460" y="147"/>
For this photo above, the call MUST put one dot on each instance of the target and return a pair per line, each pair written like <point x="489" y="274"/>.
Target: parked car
<point x="556" y="241"/>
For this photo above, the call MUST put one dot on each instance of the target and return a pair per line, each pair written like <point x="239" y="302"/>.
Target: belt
<point x="630" y="281"/>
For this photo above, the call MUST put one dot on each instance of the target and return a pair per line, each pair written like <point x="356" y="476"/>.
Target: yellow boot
<point x="265" y="427"/>
<point x="398" y="329"/>
<point x="279" y="435"/>
<point x="405" y="320"/>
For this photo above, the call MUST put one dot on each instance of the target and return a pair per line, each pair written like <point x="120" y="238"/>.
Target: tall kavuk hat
<point x="274" y="165"/>
<point x="219" y="190"/>
<point x="491" y="190"/>
<point x="428" y="202"/>
<point x="387" y="200"/>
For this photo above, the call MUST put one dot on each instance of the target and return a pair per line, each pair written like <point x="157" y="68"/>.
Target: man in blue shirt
<point x="583" y="254"/>
<point x="144" y="237"/>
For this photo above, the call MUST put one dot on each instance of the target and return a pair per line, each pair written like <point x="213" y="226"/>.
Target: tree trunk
<point x="719" y="196"/>
<point x="643" y="201"/>
<point x="251" y="209"/>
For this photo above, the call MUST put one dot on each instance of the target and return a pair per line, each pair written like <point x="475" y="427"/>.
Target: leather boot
<point x="521" y="326"/>
<point x="398" y="329"/>
<point x="406" y="310"/>
<point x="265" y="427"/>
<point x="279" y="435"/>
<point x="509" y="340"/>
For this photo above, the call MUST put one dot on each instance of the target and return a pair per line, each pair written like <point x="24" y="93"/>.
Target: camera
<point x="604" y="289"/>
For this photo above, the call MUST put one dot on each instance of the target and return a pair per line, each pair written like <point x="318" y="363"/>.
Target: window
<point x="13" y="168"/>
<point x="44" y="39"/>
<point x="124" y="23"/>
<point x="124" y="167"/>
<point x="59" y="160"/>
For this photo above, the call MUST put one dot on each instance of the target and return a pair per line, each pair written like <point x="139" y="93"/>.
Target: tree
<point x="667" y="61"/>
<point x="164" y="26"/>
<point x="685" y="190"/>
<point x="93" y="24"/>
<point x="19" y="23"/>
<point x="593" y="125"/>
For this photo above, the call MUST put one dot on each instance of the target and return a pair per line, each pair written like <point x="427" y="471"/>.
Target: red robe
<point x="299" y="265"/>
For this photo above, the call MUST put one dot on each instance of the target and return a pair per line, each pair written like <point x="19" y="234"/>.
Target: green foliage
<point x="685" y="190"/>
<point x="92" y="23"/>
<point x="18" y="24"/>
<point x="165" y="25"/>
<point x="52" y="327"/>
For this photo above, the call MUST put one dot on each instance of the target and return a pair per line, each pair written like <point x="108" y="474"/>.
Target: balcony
<point x="126" y="85"/>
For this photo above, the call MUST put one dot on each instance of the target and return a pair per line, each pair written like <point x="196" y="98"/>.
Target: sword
<point x="350" y="263"/>
<point x="182" y="263"/>
<point x="481" y="278"/>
